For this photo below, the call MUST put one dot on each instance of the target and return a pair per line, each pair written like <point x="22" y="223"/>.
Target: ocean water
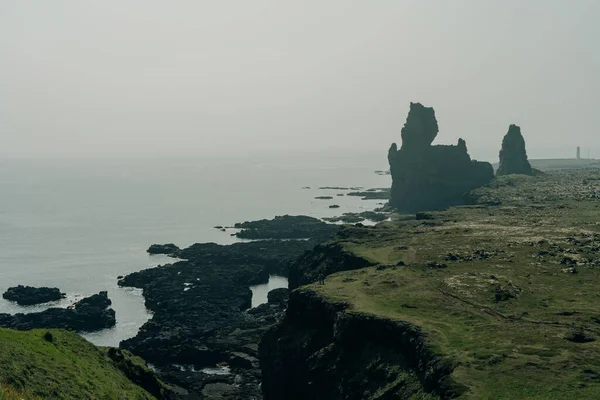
<point x="79" y="224"/>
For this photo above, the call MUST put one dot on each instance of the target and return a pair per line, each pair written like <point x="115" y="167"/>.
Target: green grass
<point x="509" y="349"/>
<point x="8" y="393"/>
<point x="67" y="367"/>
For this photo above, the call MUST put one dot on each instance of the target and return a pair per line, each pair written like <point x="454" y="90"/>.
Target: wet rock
<point x="27" y="295"/>
<point x="286" y="227"/>
<point x="278" y="296"/>
<point x="324" y="198"/>
<point x="167" y="249"/>
<point x="88" y="315"/>
<point x="372" y="194"/>
<point x="347" y="218"/>
<point x="373" y="216"/>
<point x="382" y="173"/>
<point x="334" y="206"/>
<point x="201" y="306"/>
<point x="513" y="155"/>
<point x="427" y="177"/>
<point x="242" y="360"/>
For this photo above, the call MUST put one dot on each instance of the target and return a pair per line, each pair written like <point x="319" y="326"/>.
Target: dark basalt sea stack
<point x="427" y="177"/>
<point x="513" y="155"/>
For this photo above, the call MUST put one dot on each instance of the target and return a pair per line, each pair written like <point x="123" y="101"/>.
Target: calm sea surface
<point x="79" y="224"/>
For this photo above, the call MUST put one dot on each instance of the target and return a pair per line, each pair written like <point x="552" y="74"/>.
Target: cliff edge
<point x="495" y="300"/>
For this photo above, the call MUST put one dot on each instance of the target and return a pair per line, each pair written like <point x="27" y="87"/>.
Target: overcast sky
<point x="148" y="77"/>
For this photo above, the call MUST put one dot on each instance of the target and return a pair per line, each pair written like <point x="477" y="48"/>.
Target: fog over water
<point x="79" y="224"/>
<point x="148" y="78"/>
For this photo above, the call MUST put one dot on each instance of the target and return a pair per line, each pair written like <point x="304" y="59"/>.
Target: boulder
<point x="513" y="155"/>
<point x="27" y="295"/>
<point x="426" y="177"/>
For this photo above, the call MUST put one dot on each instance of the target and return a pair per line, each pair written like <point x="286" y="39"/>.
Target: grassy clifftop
<point x="507" y="289"/>
<point x="56" y="364"/>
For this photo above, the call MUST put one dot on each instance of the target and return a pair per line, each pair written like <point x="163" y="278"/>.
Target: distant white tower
<point x="578" y="153"/>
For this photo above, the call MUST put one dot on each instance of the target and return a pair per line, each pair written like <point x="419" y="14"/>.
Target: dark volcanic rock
<point x="324" y="259"/>
<point x="372" y="194"/>
<point x="168" y="249"/>
<point x="353" y="218"/>
<point x="200" y="305"/>
<point x="278" y="296"/>
<point x="427" y="177"/>
<point x="322" y="351"/>
<point x="347" y="218"/>
<point x="286" y="227"/>
<point x="88" y="315"/>
<point x="27" y="295"/>
<point x="513" y="155"/>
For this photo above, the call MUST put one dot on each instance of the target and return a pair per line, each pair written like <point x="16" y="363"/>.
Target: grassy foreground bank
<point x="55" y="364"/>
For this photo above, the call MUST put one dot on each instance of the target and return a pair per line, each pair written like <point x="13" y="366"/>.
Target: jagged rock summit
<point x="513" y="155"/>
<point x="426" y="177"/>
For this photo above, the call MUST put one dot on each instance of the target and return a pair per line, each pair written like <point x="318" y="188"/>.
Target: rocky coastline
<point x="204" y="335"/>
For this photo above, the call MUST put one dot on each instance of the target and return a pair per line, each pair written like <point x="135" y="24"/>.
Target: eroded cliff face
<point x="427" y="177"/>
<point x="324" y="259"/>
<point x="323" y="350"/>
<point x="513" y="155"/>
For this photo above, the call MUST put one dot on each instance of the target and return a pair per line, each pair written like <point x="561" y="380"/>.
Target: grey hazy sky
<point x="149" y="77"/>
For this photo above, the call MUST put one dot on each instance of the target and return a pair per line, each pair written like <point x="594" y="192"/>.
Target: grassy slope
<point x="506" y="349"/>
<point x="69" y="367"/>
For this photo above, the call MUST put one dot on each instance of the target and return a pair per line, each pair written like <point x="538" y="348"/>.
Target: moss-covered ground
<point x="55" y="364"/>
<point x="508" y="287"/>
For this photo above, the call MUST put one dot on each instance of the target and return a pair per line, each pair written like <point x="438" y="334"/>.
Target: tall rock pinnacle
<point x="426" y="177"/>
<point x="513" y="155"/>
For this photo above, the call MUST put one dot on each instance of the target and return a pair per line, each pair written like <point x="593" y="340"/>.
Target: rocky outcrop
<point x="513" y="155"/>
<point x="286" y="227"/>
<point x="168" y="249"/>
<point x="278" y="296"/>
<point x="322" y="350"/>
<point x="203" y="336"/>
<point x="27" y="295"/>
<point x="426" y="177"/>
<point x="88" y="315"/>
<point x="324" y="259"/>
